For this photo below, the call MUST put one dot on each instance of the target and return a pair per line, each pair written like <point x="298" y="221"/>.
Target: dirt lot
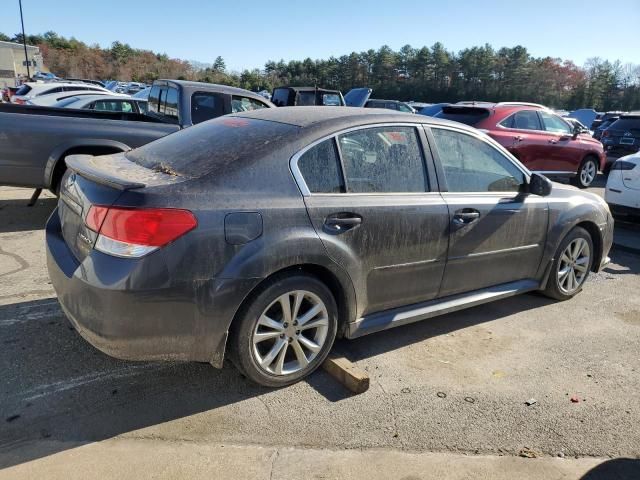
<point x="457" y="383"/>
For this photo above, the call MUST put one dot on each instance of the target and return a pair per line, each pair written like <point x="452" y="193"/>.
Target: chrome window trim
<point x="302" y="185"/>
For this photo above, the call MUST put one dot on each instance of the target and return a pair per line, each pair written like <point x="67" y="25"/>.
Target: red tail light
<point x="134" y="232"/>
<point x="19" y="101"/>
<point x="606" y="133"/>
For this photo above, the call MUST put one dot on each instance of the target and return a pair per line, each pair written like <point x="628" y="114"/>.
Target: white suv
<point x="31" y="90"/>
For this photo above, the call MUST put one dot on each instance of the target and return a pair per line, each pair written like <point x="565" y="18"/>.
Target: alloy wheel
<point x="588" y="172"/>
<point x="290" y="333"/>
<point x="573" y="266"/>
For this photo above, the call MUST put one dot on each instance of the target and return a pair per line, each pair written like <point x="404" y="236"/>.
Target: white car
<point x="623" y="186"/>
<point x="52" y="99"/>
<point x="32" y="90"/>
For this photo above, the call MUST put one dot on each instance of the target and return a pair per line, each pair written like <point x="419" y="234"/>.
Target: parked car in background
<point x="53" y="98"/>
<point x="104" y="103"/>
<point x="142" y="94"/>
<point x="32" y="90"/>
<point x="622" y="192"/>
<point x="37" y="140"/>
<point x="306" y="96"/>
<point x="417" y="106"/>
<point x="134" y="87"/>
<point x="622" y="137"/>
<point x="98" y="83"/>
<point x="540" y="139"/>
<point x="605" y="117"/>
<point x="174" y="251"/>
<point x="433" y="110"/>
<point x="389" y="105"/>
<point x="597" y="133"/>
<point x="585" y="115"/>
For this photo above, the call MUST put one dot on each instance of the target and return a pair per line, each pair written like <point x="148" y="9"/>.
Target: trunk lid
<point x="357" y="97"/>
<point x="98" y="181"/>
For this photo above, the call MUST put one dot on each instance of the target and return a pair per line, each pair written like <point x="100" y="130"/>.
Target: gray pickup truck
<point x="34" y="141"/>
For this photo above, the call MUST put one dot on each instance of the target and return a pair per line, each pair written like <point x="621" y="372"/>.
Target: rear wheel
<point x="571" y="266"/>
<point x="587" y="172"/>
<point x="286" y="331"/>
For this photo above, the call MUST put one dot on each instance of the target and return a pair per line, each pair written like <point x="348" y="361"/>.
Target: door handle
<point x="341" y="222"/>
<point x="465" y="216"/>
<point x="553" y="141"/>
<point x="518" y="138"/>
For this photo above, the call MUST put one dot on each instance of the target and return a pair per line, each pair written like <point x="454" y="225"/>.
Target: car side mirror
<point x="577" y="130"/>
<point x="539" y="185"/>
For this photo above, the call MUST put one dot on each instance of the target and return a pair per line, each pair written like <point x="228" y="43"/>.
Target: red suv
<point x="536" y="136"/>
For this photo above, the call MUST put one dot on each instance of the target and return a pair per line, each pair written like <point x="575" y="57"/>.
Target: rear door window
<point x="472" y="165"/>
<point x="163" y="102"/>
<point x="627" y="124"/>
<point x="205" y="106"/>
<point x="523" y="120"/>
<point x="383" y="160"/>
<point x="320" y="168"/>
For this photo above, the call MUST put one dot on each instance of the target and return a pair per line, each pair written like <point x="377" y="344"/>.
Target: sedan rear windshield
<point x="467" y="115"/>
<point x="196" y="151"/>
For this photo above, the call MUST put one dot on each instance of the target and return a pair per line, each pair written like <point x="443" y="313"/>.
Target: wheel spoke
<point x="285" y="304"/>
<point x="580" y="268"/>
<point x="262" y="336"/>
<point x="267" y="360"/>
<point x="565" y="258"/>
<point x="312" y="312"/>
<point x="310" y="345"/>
<point x="270" y="323"/>
<point x="562" y="274"/>
<point x="299" y="296"/>
<point x="318" y="322"/>
<point x="280" y="360"/>
<point x="303" y="361"/>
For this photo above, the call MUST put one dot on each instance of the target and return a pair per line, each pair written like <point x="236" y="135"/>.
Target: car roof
<point x="209" y="87"/>
<point x="340" y="117"/>
<point x="383" y="100"/>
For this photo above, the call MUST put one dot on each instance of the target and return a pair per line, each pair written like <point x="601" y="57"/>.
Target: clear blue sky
<point x="247" y="33"/>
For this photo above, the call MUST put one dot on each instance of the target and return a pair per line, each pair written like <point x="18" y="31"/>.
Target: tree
<point x="219" y="65"/>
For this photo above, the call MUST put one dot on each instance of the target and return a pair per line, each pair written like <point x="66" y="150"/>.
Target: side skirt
<point x="379" y="321"/>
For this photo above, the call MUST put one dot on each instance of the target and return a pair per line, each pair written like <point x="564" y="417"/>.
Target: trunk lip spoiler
<point x="84" y="165"/>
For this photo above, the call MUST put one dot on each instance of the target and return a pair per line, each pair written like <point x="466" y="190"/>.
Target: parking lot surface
<point x="459" y="383"/>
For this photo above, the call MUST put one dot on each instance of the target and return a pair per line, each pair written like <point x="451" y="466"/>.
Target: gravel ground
<point x="455" y="384"/>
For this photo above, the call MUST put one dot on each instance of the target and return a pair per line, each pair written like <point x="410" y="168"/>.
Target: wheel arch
<point x="596" y="238"/>
<point x="338" y="283"/>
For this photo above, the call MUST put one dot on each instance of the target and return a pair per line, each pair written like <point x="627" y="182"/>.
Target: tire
<point x="587" y="172"/>
<point x="272" y="349"/>
<point x="562" y="287"/>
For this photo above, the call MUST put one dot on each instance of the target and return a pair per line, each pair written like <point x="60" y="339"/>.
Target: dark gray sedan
<point x="267" y="234"/>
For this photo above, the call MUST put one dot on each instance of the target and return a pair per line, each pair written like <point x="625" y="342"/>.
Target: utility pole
<point x="24" y="41"/>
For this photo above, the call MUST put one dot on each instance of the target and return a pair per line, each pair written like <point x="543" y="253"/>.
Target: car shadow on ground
<point x="618" y="469"/>
<point x="59" y="392"/>
<point x="17" y="216"/>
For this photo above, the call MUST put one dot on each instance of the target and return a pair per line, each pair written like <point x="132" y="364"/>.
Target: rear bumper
<point x="133" y="312"/>
<point x="624" y="210"/>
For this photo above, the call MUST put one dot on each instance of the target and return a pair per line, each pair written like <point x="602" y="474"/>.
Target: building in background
<point x="12" y="62"/>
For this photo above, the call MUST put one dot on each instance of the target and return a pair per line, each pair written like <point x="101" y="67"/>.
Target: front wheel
<point x="571" y="266"/>
<point x="286" y="331"/>
<point x="587" y="173"/>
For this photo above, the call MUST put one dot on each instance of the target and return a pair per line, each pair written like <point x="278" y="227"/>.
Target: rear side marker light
<point x="135" y="232"/>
